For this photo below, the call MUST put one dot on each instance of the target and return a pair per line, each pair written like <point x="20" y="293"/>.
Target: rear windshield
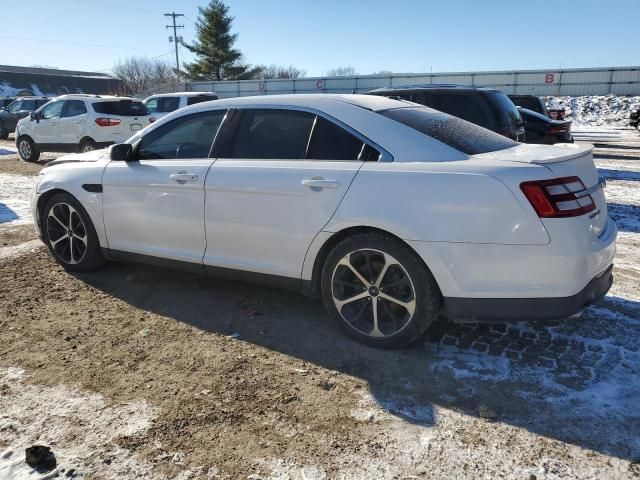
<point x="464" y="136"/>
<point x="121" y="108"/>
<point x="507" y="111"/>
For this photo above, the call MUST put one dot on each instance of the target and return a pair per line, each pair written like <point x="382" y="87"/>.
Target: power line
<point x="81" y="44"/>
<point x="173" y="16"/>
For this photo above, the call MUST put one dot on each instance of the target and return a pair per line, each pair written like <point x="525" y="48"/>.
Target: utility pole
<point x="175" y="27"/>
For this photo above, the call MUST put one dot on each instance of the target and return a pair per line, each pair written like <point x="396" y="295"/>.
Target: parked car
<point x="634" y="119"/>
<point x="530" y="102"/>
<point x="541" y="129"/>
<point x="19" y="108"/>
<point x="73" y="123"/>
<point x="389" y="211"/>
<point x="161" y="104"/>
<point x="487" y="107"/>
<point x="5" y="101"/>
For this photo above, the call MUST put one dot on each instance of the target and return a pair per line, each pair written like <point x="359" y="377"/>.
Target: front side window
<point x="272" y="134"/>
<point x="472" y="108"/>
<point x="168" y="104"/>
<point x="28" y="105"/>
<point x="53" y="110"/>
<point x="74" y="108"/>
<point x="190" y="136"/>
<point x="15" y="106"/>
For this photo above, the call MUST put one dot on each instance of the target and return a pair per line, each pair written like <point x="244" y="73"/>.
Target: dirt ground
<point x="139" y="372"/>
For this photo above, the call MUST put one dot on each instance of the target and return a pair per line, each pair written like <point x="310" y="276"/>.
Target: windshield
<point x="464" y="136"/>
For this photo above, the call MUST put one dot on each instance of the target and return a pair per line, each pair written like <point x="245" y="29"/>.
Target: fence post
<point x="610" y="81"/>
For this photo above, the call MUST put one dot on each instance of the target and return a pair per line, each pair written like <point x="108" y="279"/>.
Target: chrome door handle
<point x="318" y="183"/>
<point x="183" y="177"/>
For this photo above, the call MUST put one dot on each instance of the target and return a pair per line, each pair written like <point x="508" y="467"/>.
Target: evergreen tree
<point x="216" y="59"/>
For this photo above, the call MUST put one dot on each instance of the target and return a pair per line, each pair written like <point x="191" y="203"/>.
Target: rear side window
<point x="452" y="131"/>
<point x="200" y="99"/>
<point x="473" y="108"/>
<point x="28" y="105"/>
<point x="272" y="134"/>
<point x="121" y="108"/>
<point x="331" y="142"/>
<point x="190" y="136"/>
<point x="168" y="104"/>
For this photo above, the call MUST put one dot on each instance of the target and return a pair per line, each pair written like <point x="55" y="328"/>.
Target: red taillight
<point x="562" y="129"/>
<point x="560" y="197"/>
<point x="108" y="122"/>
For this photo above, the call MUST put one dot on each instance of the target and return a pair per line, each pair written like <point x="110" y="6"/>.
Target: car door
<point x="277" y="182"/>
<point x="12" y="115"/>
<point x="47" y="128"/>
<point x="154" y="205"/>
<point x="73" y="121"/>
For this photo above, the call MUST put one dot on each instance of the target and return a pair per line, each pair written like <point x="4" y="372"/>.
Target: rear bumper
<point x="505" y="309"/>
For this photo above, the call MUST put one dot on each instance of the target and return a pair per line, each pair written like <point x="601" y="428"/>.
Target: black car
<point x="19" y="108"/>
<point x="634" y="119"/>
<point x="531" y="102"/>
<point x="487" y="107"/>
<point x="541" y="129"/>
<point x="4" y="101"/>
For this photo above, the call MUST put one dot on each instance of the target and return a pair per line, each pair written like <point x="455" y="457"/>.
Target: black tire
<point x="27" y="149"/>
<point x="4" y="133"/>
<point x="68" y="252"/>
<point x="405" y="278"/>
<point x="87" y="145"/>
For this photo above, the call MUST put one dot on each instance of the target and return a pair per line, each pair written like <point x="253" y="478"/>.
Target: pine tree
<point x="216" y="59"/>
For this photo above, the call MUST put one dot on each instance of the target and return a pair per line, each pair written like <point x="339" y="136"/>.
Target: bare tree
<point x="279" y="71"/>
<point x="342" y="72"/>
<point x="383" y="72"/>
<point x="140" y="75"/>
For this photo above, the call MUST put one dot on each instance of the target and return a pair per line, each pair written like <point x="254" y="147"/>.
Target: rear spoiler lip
<point x="540" y="154"/>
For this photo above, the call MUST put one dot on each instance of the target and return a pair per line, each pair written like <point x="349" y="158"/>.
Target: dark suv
<point x="19" y="108"/>
<point x="4" y="101"/>
<point x="487" y="107"/>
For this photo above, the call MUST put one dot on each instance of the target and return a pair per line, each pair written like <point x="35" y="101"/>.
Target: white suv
<point x="163" y="103"/>
<point x="72" y="123"/>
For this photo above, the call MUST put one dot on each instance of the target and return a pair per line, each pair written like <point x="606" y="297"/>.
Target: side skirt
<point x="287" y="283"/>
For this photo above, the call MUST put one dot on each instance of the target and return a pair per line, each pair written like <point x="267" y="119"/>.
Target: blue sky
<point x="372" y="35"/>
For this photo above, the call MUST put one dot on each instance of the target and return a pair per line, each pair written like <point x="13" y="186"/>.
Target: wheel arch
<point x="42" y="202"/>
<point x="86" y="138"/>
<point x="313" y="286"/>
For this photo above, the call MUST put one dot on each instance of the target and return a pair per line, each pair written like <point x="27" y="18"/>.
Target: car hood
<point x="93" y="156"/>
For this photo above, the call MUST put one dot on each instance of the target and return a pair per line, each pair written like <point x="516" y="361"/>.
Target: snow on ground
<point x="21" y="249"/>
<point x="15" y="192"/>
<point x="79" y="426"/>
<point x="7" y="151"/>
<point x="597" y="109"/>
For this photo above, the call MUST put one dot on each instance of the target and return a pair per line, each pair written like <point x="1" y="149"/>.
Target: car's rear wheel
<point x="70" y="235"/>
<point x="379" y="290"/>
<point x="27" y="150"/>
<point x="87" y="146"/>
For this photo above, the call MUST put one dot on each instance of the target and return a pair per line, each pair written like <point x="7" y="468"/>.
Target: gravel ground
<point x="138" y="372"/>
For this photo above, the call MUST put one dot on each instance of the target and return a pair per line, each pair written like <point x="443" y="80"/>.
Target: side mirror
<point x="122" y="152"/>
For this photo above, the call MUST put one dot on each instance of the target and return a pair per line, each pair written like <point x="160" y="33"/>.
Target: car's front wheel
<point x="379" y="290"/>
<point x="70" y="235"/>
<point x="27" y="150"/>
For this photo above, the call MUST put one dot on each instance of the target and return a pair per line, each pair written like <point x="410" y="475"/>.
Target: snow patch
<point x="15" y="194"/>
<point x="19" y="250"/>
<point x="597" y="109"/>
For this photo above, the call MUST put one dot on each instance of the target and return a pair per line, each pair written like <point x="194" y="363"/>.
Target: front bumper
<point x="505" y="309"/>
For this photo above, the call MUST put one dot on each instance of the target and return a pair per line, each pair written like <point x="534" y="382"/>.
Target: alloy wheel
<point x="373" y="292"/>
<point x="25" y="149"/>
<point x="67" y="233"/>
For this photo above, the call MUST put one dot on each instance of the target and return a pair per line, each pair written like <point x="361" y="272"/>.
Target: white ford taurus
<point x="390" y="211"/>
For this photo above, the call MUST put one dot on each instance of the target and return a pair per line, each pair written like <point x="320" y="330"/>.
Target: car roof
<point x="31" y="97"/>
<point x="181" y="94"/>
<point x="86" y="96"/>
<point x="434" y="86"/>
<point x="368" y="102"/>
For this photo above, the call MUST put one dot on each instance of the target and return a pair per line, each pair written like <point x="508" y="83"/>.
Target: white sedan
<point x="390" y="211"/>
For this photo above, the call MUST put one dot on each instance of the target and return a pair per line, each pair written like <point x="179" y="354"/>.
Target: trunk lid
<point x="564" y="160"/>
